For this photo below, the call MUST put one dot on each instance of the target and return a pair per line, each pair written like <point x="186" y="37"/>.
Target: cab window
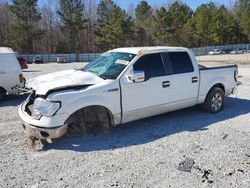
<point x="180" y="62"/>
<point x="151" y="64"/>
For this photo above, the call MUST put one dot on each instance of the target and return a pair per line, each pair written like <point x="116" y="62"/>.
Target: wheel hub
<point x="216" y="102"/>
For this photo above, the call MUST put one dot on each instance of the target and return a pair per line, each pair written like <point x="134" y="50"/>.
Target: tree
<point x="242" y="11"/>
<point x="203" y="18"/>
<point x="91" y="14"/>
<point x="103" y="9"/>
<point x="50" y="26"/>
<point x="189" y="37"/>
<point x="73" y="22"/>
<point x="144" y="27"/>
<point x="224" y="28"/>
<point x="115" y="31"/>
<point x="160" y="20"/>
<point x="24" y="30"/>
<point x="171" y="25"/>
<point x="177" y="16"/>
<point x="6" y="18"/>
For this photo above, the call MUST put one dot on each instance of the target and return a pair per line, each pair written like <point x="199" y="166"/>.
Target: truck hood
<point x="63" y="79"/>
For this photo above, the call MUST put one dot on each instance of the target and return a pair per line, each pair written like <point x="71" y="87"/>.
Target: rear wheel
<point x="214" y="101"/>
<point x="2" y="94"/>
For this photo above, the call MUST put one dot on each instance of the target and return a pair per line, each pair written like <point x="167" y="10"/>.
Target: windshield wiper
<point x="112" y="77"/>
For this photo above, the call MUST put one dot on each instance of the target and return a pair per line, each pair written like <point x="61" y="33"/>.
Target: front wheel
<point x="214" y="101"/>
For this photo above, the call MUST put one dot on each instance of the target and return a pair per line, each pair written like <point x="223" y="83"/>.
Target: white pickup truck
<point x="123" y="85"/>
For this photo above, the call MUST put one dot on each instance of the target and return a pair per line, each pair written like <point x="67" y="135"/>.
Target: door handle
<point x="194" y="79"/>
<point x="166" y="84"/>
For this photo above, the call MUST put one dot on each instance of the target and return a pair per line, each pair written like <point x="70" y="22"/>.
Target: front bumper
<point x="44" y="133"/>
<point x="44" y="128"/>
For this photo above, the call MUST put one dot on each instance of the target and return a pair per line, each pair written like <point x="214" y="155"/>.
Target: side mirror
<point x="137" y="76"/>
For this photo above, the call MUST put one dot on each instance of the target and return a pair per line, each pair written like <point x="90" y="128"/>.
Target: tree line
<point x="78" y="26"/>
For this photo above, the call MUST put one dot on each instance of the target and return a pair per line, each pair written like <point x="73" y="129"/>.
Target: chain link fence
<point x="225" y="48"/>
<point x="199" y="52"/>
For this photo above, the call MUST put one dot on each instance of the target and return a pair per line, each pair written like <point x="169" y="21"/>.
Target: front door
<point x="145" y="98"/>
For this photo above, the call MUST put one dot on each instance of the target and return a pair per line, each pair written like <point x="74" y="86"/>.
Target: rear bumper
<point x="44" y="133"/>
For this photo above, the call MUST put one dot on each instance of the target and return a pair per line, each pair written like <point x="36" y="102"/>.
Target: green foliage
<point x="61" y="47"/>
<point x="144" y="24"/>
<point x="224" y="27"/>
<point x="143" y="11"/>
<point x="176" y="25"/>
<point x="203" y="19"/>
<point x="170" y="24"/>
<point x="178" y="16"/>
<point x="24" y="29"/>
<point x="115" y="31"/>
<point x="160" y="32"/>
<point x="103" y="9"/>
<point x="242" y="11"/>
<point x="109" y="26"/>
<point x="71" y="14"/>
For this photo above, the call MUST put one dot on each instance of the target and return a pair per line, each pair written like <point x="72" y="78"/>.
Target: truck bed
<point x="211" y="75"/>
<point x="218" y="66"/>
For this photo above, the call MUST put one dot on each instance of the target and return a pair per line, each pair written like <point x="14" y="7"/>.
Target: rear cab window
<point x="179" y="62"/>
<point x="151" y="64"/>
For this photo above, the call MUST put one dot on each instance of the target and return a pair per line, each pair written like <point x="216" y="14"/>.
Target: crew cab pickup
<point x="123" y="85"/>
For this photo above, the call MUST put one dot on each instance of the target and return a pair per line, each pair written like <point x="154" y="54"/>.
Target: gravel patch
<point x="145" y="153"/>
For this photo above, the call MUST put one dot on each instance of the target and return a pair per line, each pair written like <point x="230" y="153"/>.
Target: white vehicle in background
<point x="121" y="86"/>
<point x="215" y="52"/>
<point x="61" y="58"/>
<point x="238" y="51"/>
<point x="11" y="75"/>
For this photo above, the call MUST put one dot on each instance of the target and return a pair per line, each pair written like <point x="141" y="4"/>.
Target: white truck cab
<point x="123" y="85"/>
<point x="11" y="75"/>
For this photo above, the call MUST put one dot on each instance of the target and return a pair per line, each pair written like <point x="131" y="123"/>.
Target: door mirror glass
<point x="137" y="76"/>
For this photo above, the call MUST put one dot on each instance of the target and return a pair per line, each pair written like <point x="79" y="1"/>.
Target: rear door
<point x="183" y="78"/>
<point x="146" y="98"/>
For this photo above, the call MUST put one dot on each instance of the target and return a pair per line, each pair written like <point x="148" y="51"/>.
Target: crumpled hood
<point x="63" y="79"/>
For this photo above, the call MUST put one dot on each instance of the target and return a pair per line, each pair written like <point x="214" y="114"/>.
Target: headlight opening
<point x="43" y="107"/>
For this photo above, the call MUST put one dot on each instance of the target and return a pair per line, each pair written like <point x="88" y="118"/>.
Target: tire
<point x="2" y="94"/>
<point x="214" y="101"/>
<point x="89" y="120"/>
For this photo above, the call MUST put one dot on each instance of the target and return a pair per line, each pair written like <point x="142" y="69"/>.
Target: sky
<point x="156" y="3"/>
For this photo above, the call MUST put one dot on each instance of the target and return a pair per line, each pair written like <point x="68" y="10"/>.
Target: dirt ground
<point x="144" y="153"/>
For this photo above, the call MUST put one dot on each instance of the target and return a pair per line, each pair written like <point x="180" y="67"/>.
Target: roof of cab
<point x="138" y="50"/>
<point x="6" y="50"/>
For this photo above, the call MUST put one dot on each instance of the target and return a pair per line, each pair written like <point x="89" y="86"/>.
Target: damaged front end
<point x="32" y="110"/>
<point x="42" y="114"/>
<point x="40" y="117"/>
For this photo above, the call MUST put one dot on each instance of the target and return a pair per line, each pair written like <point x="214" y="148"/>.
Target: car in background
<point x="238" y="51"/>
<point x="38" y="59"/>
<point x="215" y="52"/>
<point x="22" y="62"/>
<point x="11" y="76"/>
<point x="61" y="59"/>
<point x="226" y="51"/>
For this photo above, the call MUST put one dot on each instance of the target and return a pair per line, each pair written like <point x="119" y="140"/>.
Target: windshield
<point x="109" y="65"/>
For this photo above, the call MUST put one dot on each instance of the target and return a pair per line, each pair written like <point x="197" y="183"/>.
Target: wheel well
<point x="1" y="88"/>
<point x="219" y="85"/>
<point x="96" y="108"/>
